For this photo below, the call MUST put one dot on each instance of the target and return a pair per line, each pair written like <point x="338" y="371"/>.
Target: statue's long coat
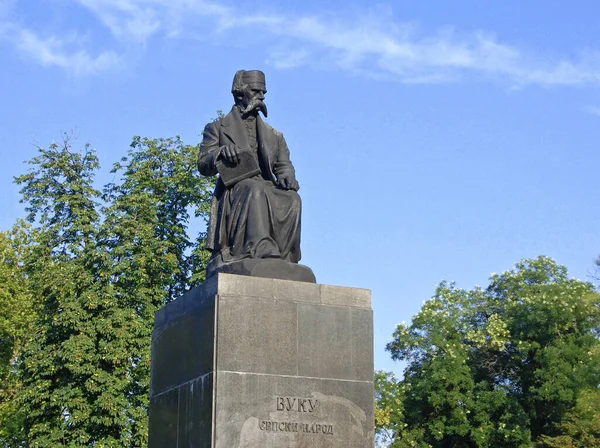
<point x="274" y="160"/>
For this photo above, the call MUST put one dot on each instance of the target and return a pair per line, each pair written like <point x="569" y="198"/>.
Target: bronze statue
<point x="254" y="225"/>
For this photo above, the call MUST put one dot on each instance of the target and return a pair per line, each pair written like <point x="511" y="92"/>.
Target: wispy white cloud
<point x="52" y="51"/>
<point x="127" y="19"/>
<point x="594" y="110"/>
<point x="374" y="44"/>
<point x="286" y="58"/>
<point x="57" y="51"/>
<point x="586" y="70"/>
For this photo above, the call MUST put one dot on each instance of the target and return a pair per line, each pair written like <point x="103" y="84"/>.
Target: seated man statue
<point x="254" y="226"/>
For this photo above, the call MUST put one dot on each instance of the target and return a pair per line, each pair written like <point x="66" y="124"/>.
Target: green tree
<point x="147" y="253"/>
<point x="501" y="366"/>
<point x="100" y="264"/>
<point x="389" y="407"/>
<point x="16" y="325"/>
<point x="60" y="361"/>
<point x="581" y="426"/>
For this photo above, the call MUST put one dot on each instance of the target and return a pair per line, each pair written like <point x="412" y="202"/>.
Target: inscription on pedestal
<point x="296" y="404"/>
<point x="308" y="428"/>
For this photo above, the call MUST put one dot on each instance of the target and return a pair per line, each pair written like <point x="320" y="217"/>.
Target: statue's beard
<point x="254" y="106"/>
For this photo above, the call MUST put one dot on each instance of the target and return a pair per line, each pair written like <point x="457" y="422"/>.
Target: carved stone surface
<point x="263" y="363"/>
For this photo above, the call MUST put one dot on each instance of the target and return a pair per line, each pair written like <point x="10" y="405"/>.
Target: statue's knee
<point x="251" y="187"/>
<point x="296" y="197"/>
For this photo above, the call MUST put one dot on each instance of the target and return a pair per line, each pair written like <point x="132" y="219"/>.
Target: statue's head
<point x="249" y="89"/>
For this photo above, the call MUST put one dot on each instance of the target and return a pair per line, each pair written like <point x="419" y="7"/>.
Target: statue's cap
<point x="244" y="77"/>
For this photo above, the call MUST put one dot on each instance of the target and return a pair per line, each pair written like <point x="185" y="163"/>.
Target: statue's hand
<point x="288" y="182"/>
<point x="229" y="153"/>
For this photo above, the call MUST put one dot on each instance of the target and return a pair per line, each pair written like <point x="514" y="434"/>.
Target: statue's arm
<point x="283" y="164"/>
<point x="283" y="168"/>
<point x="209" y="150"/>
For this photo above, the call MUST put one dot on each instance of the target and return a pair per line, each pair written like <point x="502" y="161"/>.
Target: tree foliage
<point x="99" y="263"/>
<point x="389" y="407"/>
<point x="16" y="324"/>
<point x="516" y="364"/>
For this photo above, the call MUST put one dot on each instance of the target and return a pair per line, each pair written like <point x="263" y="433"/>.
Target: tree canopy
<point x="515" y="364"/>
<point x="80" y="284"/>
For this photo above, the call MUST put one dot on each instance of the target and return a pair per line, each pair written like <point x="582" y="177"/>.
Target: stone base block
<point x="263" y="267"/>
<point x="244" y="362"/>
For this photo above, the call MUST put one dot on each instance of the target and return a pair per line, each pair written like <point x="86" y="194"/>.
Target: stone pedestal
<point x="244" y="362"/>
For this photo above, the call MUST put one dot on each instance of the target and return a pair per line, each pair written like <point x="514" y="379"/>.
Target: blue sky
<point x="432" y="140"/>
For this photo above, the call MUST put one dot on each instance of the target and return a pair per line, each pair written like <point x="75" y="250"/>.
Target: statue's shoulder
<point x="214" y="125"/>
<point x="211" y="128"/>
<point x="272" y="129"/>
